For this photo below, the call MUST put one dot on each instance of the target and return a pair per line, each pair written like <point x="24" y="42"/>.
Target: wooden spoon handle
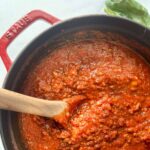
<point x="13" y="101"/>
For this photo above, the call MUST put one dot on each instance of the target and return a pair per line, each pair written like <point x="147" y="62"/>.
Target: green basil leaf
<point x="130" y="9"/>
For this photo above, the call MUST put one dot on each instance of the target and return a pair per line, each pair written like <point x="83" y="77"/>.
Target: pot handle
<point x="17" y="28"/>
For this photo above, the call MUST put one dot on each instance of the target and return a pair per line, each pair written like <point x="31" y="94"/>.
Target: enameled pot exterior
<point x="9" y="123"/>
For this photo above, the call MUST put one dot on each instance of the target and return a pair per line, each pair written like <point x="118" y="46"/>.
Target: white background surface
<point x="12" y="10"/>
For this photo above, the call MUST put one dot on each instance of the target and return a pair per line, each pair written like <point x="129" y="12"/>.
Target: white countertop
<point x="12" y="10"/>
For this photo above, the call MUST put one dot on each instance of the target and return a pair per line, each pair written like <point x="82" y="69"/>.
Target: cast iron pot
<point x="57" y="35"/>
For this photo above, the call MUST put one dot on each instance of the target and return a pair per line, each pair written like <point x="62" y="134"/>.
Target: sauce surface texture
<point x="115" y="114"/>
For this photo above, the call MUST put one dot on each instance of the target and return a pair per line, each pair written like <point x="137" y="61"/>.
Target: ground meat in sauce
<point x="116" y="83"/>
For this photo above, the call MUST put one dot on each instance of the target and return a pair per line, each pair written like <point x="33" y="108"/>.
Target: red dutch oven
<point x="56" y="35"/>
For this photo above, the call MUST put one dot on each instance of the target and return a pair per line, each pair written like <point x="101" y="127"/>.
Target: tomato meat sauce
<point x="115" y="81"/>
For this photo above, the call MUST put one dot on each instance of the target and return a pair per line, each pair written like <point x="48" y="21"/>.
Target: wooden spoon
<point x="13" y="101"/>
<point x="58" y="110"/>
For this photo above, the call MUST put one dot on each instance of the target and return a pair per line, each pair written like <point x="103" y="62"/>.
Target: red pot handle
<point x="17" y="28"/>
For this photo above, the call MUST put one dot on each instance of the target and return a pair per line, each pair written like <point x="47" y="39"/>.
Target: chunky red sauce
<point x="115" y="114"/>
